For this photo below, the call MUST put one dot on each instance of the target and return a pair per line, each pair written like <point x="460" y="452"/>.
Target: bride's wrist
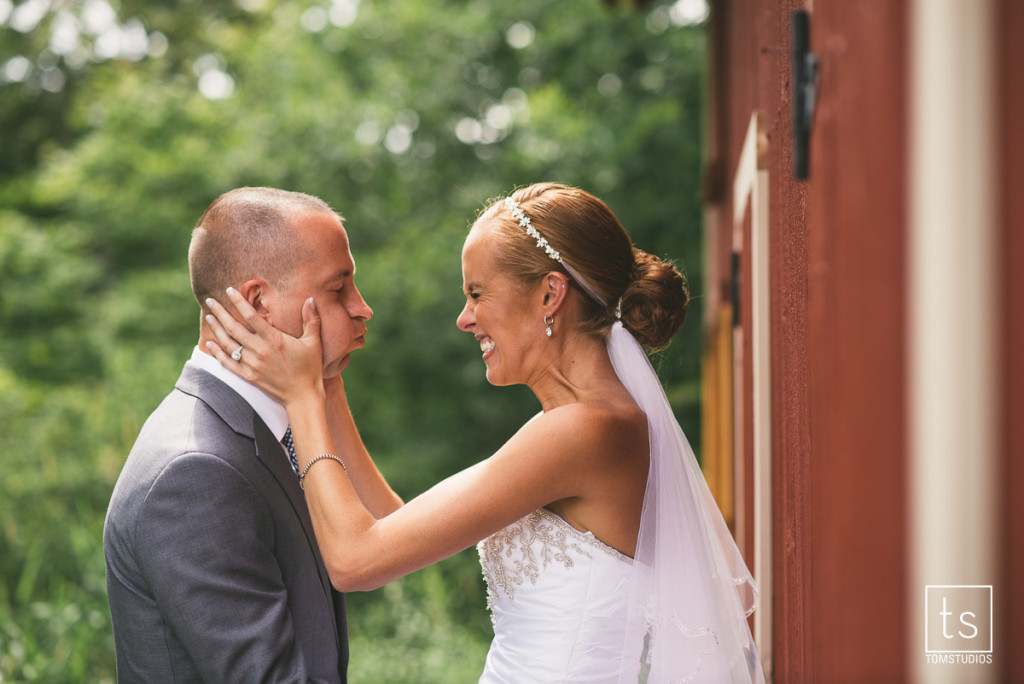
<point x="301" y="397"/>
<point x="334" y="392"/>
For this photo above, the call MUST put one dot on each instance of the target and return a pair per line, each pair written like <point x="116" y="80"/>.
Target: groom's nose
<point x="360" y="309"/>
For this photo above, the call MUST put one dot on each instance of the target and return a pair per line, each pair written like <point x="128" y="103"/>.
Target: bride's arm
<point x="361" y="553"/>
<point x="548" y="460"/>
<point x="373" y="489"/>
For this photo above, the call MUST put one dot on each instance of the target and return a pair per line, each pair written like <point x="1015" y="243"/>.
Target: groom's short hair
<point x="250" y="233"/>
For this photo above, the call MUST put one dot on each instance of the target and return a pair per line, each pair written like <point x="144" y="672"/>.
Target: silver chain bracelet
<point x="319" y="458"/>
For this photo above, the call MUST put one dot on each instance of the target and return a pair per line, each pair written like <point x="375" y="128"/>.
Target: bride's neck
<point x="578" y="370"/>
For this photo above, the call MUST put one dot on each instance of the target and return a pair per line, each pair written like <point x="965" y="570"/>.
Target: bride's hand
<point x="285" y="367"/>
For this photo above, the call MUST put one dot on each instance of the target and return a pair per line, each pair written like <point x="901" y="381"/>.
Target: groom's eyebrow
<point x="340" y="275"/>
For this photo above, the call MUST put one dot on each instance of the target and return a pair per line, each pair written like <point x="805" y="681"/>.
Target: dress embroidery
<point x="519" y="552"/>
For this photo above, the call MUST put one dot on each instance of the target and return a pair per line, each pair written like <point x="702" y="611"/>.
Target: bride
<point x="605" y="556"/>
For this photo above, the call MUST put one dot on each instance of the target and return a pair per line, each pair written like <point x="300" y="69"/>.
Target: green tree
<point x="122" y="121"/>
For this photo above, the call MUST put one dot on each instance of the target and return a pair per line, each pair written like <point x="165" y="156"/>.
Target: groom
<point x="213" y="572"/>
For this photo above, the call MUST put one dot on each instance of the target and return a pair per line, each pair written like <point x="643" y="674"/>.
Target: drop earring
<point x="548" y="321"/>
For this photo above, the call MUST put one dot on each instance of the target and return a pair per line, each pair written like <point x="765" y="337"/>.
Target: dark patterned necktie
<point x="289" y="446"/>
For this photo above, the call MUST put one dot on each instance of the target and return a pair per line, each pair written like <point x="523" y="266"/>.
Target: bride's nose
<point x="466" y="319"/>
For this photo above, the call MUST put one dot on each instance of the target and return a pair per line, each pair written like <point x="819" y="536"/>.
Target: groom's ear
<point x="254" y="292"/>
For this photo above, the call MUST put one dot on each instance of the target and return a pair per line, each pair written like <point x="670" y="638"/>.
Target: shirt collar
<point x="271" y="412"/>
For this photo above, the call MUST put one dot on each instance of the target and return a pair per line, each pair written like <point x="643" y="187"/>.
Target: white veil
<point x="691" y="592"/>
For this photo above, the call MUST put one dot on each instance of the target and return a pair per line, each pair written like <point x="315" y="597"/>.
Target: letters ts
<point x="964" y="622"/>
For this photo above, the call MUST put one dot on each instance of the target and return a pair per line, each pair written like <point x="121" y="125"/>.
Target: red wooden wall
<point x="838" y="420"/>
<point x="1010" y="149"/>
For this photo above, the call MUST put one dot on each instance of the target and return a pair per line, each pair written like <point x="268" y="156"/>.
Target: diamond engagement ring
<point x="237" y="354"/>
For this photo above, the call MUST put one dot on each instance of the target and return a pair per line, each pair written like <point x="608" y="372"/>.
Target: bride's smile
<point x="486" y="346"/>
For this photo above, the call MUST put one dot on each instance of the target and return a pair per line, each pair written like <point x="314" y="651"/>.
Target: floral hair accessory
<point x="524" y="221"/>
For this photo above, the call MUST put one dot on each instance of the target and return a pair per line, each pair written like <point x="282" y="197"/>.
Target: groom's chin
<point x="337" y="367"/>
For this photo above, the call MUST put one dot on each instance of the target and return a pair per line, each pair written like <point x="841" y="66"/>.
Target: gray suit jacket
<point x="213" y="573"/>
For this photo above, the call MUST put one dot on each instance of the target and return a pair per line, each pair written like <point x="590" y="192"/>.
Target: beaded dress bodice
<point x="557" y="598"/>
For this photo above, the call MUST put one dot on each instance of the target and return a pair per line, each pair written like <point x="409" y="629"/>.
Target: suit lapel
<point x="241" y="418"/>
<point x="223" y="400"/>
<point x="270" y="452"/>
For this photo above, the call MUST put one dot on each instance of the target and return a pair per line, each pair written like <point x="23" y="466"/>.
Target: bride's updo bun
<point x="654" y="303"/>
<point x="585" y="233"/>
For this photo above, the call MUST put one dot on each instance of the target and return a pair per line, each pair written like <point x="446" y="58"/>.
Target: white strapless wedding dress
<point x="559" y="601"/>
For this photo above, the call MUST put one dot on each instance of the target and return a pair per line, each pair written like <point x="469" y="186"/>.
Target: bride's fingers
<point x="220" y="355"/>
<point x="310" y="320"/>
<point x="224" y="340"/>
<point x="234" y="328"/>
<point x="228" y="361"/>
<point x="225" y="347"/>
<point x="229" y="332"/>
<point x="252" y="319"/>
<point x="224" y="344"/>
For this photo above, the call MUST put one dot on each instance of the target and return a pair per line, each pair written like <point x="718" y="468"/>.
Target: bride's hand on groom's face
<point x="286" y="367"/>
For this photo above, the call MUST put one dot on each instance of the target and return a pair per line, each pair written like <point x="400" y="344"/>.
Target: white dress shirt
<point x="271" y="412"/>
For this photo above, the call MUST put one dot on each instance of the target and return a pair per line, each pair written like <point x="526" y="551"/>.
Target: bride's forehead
<point x="479" y="246"/>
<point x="482" y="231"/>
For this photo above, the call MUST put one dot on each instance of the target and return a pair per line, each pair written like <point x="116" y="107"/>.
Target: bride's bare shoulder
<point x="601" y="425"/>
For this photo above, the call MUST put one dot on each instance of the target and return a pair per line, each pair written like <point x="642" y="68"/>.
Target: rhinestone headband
<point x="524" y="221"/>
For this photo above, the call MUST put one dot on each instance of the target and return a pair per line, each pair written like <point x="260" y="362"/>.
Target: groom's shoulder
<point x="200" y="416"/>
<point x="183" y="443"/>
<point x="184" y="450"/>
<point x="198" y="410"/>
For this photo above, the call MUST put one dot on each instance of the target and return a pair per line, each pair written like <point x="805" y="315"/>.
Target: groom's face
<point x="329" y="278"/>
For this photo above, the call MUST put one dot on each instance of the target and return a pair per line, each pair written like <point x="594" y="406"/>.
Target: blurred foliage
<point x="121" y="121"/>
